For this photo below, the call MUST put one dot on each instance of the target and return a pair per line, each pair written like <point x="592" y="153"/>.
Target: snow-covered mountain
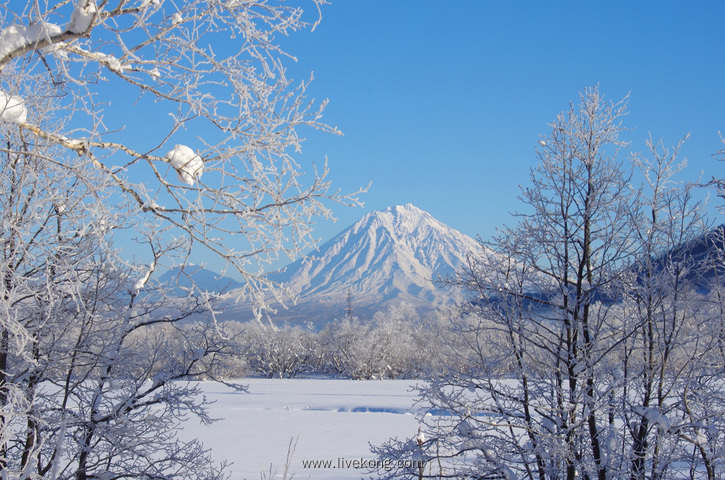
<point x="387" y="257"/>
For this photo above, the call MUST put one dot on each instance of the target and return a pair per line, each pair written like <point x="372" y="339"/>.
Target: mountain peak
<point x="387" y="257"/>
<point x="407" y="208"/>
<point x="399" y="220"/>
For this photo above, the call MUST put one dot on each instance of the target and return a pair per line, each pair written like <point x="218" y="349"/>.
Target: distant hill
<point x="705" y="257"/>
<point x="702" y="258"/>
<point x="387" y="257"/>
<point x="205" y="280"/>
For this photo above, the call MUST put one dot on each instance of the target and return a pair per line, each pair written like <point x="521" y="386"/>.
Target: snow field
<point x="334" y="421"/>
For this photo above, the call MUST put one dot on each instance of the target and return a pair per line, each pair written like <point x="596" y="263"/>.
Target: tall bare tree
<point x="172" y="127"/>
<point x="589" y="336"/>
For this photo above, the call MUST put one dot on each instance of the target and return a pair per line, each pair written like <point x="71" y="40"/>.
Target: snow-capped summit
<point x="387" y="257"/>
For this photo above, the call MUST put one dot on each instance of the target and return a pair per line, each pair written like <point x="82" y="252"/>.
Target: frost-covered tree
<point x="662" y="365"/>
<point x="390" y="345"/>
<point x="719" y="183"/>
<point x="587" y="336"/>
<point x="348" y="348"/>
<point x="401" y="337"/>
<point x="85" y="393"/>
<point x="212" y="155"/>
<point x="211" y="158"/>
<point x="279" y="352"/>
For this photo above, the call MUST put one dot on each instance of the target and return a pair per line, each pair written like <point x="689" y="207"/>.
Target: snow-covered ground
<point x="334" y="421"/>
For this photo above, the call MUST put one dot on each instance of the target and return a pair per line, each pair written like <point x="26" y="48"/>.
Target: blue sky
<point x="442" y="103"/>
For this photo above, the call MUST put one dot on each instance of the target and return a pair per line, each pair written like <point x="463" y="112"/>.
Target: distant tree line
<point x="399" y="342"/>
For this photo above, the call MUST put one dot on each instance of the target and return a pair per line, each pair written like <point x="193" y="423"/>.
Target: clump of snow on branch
<point x="654" y="416"/>
<point x="12" y="109"/>
<point x="15" y="37"/>
<point x="110" y="61"/>
<point x="82" y="16"/>
<point x="139" y="284"/>
<point x="188" y="165"/>
<point x="508" y="474"/>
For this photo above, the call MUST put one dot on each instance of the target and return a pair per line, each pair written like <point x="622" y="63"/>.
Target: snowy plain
<point x="332" y="421"/>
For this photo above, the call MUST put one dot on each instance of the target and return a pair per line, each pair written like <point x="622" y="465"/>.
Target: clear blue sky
<point x="442" y="103"/>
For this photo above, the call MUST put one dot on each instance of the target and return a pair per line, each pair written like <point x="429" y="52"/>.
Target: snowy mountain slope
<point x="387" y="257"/>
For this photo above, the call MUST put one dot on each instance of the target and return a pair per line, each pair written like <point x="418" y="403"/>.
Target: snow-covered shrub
<point x="351" y="348"/>
<point x="278" y="352"/>
<point x="395" y="343"/>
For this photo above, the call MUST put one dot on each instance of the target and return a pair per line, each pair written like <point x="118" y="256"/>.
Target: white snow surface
<point x="12" y="108"/>
<point x="331" y="419"/>
<point x="188" y="165"/>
